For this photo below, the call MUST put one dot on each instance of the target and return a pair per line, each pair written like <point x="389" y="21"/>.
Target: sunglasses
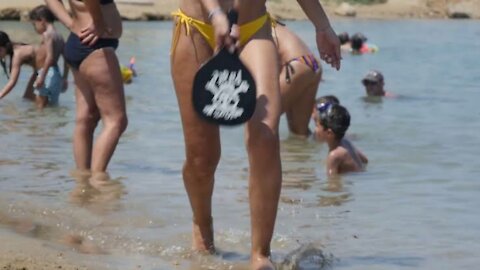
<point x="324" y="109"/>
<point x="367" y="83"/>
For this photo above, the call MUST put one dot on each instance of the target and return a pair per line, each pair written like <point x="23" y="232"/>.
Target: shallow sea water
<point x="416" y="206"/>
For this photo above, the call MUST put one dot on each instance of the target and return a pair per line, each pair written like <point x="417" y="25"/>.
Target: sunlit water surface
<point x="416" y="207"/>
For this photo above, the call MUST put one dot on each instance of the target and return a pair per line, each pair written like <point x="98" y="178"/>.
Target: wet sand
<point x="25" y="253"/>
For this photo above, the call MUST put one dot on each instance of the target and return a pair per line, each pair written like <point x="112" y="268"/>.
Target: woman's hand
<point x="329" y="47"/>
<point x="90" y="34"/>
<point x="221" y="30"/>
<point x="39" y="82"/>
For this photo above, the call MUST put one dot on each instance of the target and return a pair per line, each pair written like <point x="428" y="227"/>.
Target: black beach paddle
<point x="224" y="91"/>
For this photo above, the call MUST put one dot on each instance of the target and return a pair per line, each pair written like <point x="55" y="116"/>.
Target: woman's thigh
<point x="260" y="56"/>
<point x="86" y="108"/>
<point x="188" y="55"/>
<point x="102" y="70"/>
<point x="302" y="79"/>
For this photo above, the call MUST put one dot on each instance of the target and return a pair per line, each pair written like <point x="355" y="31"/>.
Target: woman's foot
<point x="262" y="263"/>
<point x="202" y="237"/>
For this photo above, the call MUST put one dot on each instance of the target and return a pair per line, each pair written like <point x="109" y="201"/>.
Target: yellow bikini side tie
<point x="203" y="28"/>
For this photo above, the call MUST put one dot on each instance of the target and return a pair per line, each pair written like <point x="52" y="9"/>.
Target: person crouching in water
<point x="300" y="75"/>
<point x="19" y="54"/>
<point x="332" y="123"/>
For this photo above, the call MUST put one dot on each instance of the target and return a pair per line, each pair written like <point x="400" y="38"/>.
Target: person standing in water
<point x="96" y="27"/>
<point x="49" y="82"/>
<point x="200" y="29"/>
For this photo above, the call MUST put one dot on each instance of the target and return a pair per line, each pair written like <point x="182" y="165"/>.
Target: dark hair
<point x="7" y="44"/>
<point x="357" y="44"/>
<point x="41" y="12"/>
<point x="337" y="119"/>
<point x="357" y="41"/>
<point x="327" y="99"/>
<point x="344" y="38"/>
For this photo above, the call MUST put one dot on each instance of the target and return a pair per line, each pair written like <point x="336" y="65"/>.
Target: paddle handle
<point x="232" y="16"/>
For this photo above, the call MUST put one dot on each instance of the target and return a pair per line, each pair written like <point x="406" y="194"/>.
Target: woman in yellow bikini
<point x="201" y="27"/>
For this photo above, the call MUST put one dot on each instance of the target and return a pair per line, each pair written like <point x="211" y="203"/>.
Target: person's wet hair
<point x="357" y="40"/>
<point x="356" y="43"/>
<point x="334" y="117"/>
<point x="327" y="99"/>
<point x="7" y="44"/>
<point x="41" y="12"/>
<point x="343" y="37"/>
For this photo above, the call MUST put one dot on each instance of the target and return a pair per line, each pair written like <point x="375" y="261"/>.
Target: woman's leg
<point x="298" y="96"/>
<point x="260" y="57"/>
<point x="86" y="120"/>
<point x="202" y="140"/>
<point x="102" y="70"/>
<point x="41" y="101"/>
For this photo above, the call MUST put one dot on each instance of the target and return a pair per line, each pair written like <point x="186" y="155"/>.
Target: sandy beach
<point x="20" y="252"/>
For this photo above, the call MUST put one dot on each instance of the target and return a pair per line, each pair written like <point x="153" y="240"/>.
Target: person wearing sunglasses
<point x="374" y="85"/>
<point x="331" y="124"/>
<point x="323" y="99"/>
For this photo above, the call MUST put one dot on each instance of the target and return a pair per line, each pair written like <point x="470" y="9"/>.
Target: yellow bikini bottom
<point x="206" y="30"/>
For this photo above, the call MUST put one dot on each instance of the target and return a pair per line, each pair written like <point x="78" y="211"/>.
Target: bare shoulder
<point x="22" y="53"/>
<point x="337" y="155"/>
<point x="48" y="35"/>
<point x="339" y="152"/>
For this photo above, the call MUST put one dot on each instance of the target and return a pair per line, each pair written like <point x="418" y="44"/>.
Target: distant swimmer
<point x="332" y="123"/>
<point x="359" y="45"/>
<point x="345" y="43"/>
<point x="374" y="85"/>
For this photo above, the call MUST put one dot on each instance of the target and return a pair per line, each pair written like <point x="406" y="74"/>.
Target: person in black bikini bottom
<point x="96" y="27"/>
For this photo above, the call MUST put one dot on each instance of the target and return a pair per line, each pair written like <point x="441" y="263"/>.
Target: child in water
<point x="49" y="82"/>
<point x="331" y="124"/>
<point x="46" y="77"/>
<point x="320" y="100"/>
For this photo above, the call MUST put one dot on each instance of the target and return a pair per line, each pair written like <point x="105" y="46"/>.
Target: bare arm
<point x="57" y="7"/>
<point x="219" y="21"/>
<point x="333" y="164"/>
<point x="315" y="13"/>
<point x="48" y="43"/>
<point x="92" y="33"/>
<point x="327" y="41"/>
<point x="363" y="158"/>
<point x="93" y="7"/>
<point x="29" y="89"/>
<point x="13" y="76"/>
